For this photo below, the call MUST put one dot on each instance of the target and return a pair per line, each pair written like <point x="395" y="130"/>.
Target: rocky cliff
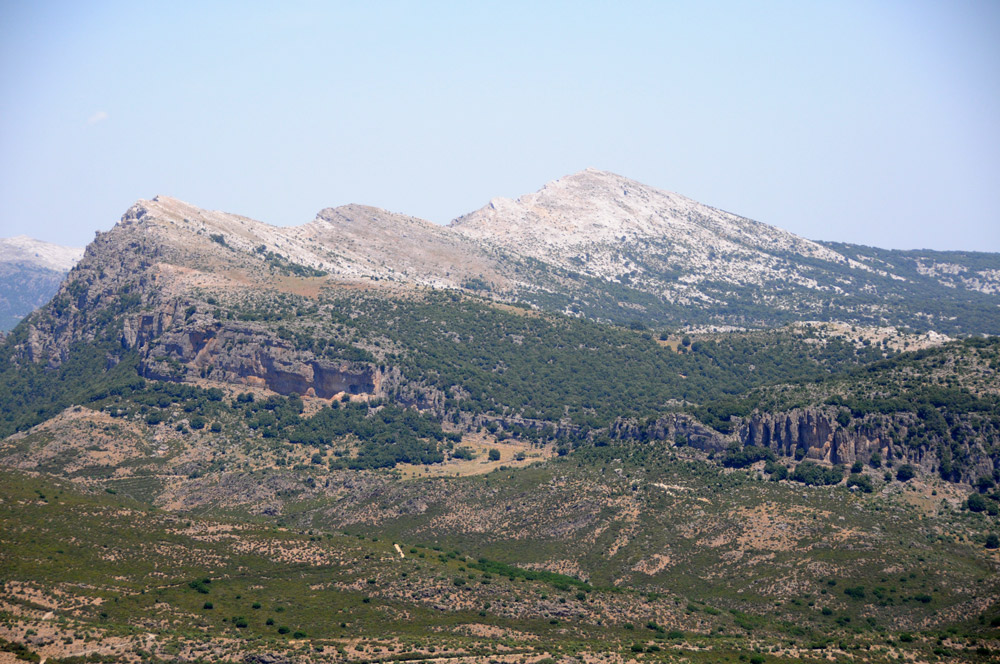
<point x="149" y="285"/>
<point x="815" y="433"/>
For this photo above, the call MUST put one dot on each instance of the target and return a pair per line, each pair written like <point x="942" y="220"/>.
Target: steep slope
<point x="30" y="272"/>
<point x="937" y="409"/>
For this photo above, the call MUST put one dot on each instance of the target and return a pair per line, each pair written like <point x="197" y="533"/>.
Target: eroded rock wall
<point x="818" y="434"/>
<point x="250" y="354"/>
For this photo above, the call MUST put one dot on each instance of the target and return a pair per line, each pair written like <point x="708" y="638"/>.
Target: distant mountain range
<point x="30" y="273"/>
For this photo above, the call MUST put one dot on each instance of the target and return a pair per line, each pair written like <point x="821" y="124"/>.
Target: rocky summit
<point x="601" y="422"/>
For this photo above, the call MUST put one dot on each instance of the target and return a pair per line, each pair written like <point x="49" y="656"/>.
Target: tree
<point x="863" y="482"/>
<point x="993" y="542"/>
<point x="906" y="472"/>
<point x="494" y="454"/>
<point x="976" y="503"/>
<point x="812" y="473"/>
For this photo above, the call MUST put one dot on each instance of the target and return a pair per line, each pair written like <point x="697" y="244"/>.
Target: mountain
<point x="23" y="249"/>
<point x="371" y="438"/>
<point x="591" y="221"/>
<point x="30" y="272"/>
<point x="661" y="258"/>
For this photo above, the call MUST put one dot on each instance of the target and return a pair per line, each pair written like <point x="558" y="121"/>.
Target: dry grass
<point x="480" y="444"/>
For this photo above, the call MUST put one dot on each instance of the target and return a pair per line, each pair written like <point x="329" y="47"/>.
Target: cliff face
<point x="252" y="355"/>
<point x="113" y="277"/>
<point x="815" y="433"/>
<point x="818" y="434"/>
<point x="677" y="428"/>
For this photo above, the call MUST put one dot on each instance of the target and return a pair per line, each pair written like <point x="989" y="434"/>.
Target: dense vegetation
<point x="528" y="375"/>
<point x="517" y="362"/>
<point x="388" y="434"/>
<point x="32" y="393"/>
<point x="940" y="399"/>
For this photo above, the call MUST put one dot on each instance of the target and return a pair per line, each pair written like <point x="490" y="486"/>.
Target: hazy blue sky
<point x="868" y="122"/>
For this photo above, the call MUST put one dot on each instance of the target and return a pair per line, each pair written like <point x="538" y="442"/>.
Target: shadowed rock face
<point x="248" y="355"/>
<point x="680" y="428"/>
<point x="810" y="430"/>
<point x="321" y="380"/>
<point x="816" y="432"/>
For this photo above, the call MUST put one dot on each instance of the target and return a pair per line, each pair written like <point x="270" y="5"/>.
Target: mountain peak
<point x="24" y="249"/>
<point x="592" y="220"/>
<point x="585" y="207"/>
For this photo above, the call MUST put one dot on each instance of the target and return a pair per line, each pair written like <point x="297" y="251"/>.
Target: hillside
<point x="216" y="411"/>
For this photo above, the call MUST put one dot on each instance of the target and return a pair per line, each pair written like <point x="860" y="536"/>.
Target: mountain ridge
<point x="467" y="408"/>
<point x="622" y="252"/>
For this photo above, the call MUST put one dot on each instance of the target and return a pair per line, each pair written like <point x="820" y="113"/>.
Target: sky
<point x="875" y="123"/>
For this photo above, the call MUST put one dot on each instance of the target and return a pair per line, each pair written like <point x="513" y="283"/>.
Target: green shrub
<point x="749" y="455"/>
<point x="976" y="503"/>
<point x="777" y="471"/>
<point x="811" y="473"/>
<point x="863" y="482"/>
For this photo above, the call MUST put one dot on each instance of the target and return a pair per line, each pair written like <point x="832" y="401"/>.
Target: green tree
<point x="976" y="503"/>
